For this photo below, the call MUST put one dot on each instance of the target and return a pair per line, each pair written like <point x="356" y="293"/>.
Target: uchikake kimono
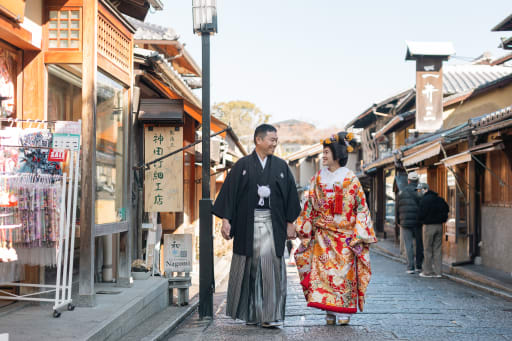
<point x="334" y="269"/>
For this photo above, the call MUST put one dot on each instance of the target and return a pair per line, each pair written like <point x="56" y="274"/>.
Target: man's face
<point x="267" y="145"/>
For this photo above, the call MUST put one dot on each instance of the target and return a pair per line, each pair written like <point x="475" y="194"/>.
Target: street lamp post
<point x="204" y="13"/>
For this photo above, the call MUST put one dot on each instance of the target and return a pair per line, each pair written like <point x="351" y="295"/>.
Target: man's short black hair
<point x="262" y="130"/>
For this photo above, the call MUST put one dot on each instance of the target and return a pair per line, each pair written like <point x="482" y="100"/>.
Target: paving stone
<point x="399" y="306"/>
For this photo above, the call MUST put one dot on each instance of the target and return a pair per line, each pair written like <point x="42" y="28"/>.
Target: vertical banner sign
<point x="177" y="253"/>
<point x="429" y="94"/>
<point x="163" y="182"/>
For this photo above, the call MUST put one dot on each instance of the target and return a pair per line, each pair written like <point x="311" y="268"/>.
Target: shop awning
<point x="161" y="110"/>
<point x="457" y="159"/>
<point x="306" y="152"/>
<point x="487" y="147"/>
<point x="422" y="154"/>
<point x="379" y="163"/>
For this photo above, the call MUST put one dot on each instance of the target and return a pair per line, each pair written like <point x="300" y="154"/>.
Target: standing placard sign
<point x="163" y="183"/>
<point x="177" y="253"/>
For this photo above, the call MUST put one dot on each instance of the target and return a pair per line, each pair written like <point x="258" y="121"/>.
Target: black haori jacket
<point x="238" y="198"/>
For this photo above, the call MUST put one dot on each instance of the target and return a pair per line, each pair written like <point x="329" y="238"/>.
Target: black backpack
<point x="444" y="209"/>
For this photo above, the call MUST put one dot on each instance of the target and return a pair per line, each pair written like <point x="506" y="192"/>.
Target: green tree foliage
<point x="242" y="116"/>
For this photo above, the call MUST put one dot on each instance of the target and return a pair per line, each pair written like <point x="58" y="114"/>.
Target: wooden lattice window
<point x="113" y="44"/>
<point x="64" y="28"/>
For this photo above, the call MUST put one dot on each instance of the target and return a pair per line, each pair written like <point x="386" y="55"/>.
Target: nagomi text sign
<point x="163" y="182"/>
<point x="177" y="253"/>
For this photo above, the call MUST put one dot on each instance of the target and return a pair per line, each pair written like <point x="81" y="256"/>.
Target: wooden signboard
<point x="163" y="182"/>
<point x="429" y="95"/>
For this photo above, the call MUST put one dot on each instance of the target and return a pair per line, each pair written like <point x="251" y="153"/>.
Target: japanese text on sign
<point x="177" y="253"/>
<point x="429" y="95"/>
<point x="163" y="182"/>
<point x="66" y="141"/>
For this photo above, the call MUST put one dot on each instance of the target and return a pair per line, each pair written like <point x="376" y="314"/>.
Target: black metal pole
<point x="206" y="278"/>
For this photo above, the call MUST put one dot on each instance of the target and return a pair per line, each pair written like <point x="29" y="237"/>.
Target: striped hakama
<point x="257" y="284"/>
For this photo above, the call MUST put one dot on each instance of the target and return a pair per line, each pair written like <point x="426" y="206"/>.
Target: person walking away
<point x="336" y="230"/>
<point x="258" y="204"/>
<point x="433" y="212"/>
<point x="410" y="227"/>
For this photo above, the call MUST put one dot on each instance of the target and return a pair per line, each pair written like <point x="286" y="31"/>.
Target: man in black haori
<point x="258" y="204"/>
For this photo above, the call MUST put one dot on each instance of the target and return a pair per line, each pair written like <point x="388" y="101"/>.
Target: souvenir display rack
<point x="66" y="139"/>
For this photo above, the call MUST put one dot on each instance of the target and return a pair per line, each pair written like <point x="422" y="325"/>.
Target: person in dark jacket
<point x="258" y="204"/>
<point x="410" y="227"/>
<point x="433" y="213"/>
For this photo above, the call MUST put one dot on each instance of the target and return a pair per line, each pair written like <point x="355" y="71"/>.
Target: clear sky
<point x="325" y="61"/>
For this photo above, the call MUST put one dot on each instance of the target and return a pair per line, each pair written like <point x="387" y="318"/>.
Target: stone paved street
<point x="399" y="307"/>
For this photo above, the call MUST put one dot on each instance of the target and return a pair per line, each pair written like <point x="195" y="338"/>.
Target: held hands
<point x="226" y="229"/>
<point x="291" y="231"/>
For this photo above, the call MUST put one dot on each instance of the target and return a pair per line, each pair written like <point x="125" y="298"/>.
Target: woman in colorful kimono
<point x="335" y="229"/>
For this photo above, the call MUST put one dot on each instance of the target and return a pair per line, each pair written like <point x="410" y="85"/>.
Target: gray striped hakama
<point x="257" y="284"/>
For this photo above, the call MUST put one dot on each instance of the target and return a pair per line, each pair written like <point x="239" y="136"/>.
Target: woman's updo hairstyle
<point x="339" y="144"/>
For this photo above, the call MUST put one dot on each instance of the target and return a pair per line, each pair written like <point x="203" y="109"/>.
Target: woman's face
<point x="327" y="157"/>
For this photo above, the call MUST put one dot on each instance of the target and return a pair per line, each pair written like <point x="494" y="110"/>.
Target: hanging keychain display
<point x="38" y="203"/>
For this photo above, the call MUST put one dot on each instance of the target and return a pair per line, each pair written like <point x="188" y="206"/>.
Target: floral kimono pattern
<point x="335" y="229"/>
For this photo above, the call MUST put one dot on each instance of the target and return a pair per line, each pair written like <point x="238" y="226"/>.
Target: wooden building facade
<point x="73" y="60"/>
<point x="467" y="162"/>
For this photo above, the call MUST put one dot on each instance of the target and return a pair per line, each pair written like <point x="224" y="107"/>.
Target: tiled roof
<point x="147" y="31"/>
<point x="462" y="78"/>
<point x="493" y="117"/>
<point x="153" y="55"/>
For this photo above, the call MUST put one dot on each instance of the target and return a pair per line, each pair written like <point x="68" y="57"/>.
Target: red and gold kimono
<point x="335" y="229"/>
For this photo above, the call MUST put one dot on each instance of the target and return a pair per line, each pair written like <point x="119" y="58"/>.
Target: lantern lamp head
<point x="204" y="14"/>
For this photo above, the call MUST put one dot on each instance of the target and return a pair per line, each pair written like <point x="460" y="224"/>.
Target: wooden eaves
<point x="181" y="60"/>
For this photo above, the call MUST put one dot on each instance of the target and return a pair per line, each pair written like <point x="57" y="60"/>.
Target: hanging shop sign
<point x="429" y="95"/>
<point x="429" y="57"/>
<point x="177" y="253"/>
<point x="163" y="182"/>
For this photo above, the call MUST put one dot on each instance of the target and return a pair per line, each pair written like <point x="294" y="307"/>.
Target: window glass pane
<point x="63" y="43"/>
<point x="74" y="34"/>
<point x="389" y="175"/>
<point x="75" y="14"/>
<point x="65" y="96"/>
<point x="53" y="44"/>
<point x="75" y="24"/>
<point x="63" y="34"/>
<point x="52" y="34"/>
<point x="53" y="24"/>
<point x="74" y="44"/>
<point x="63" y="24"/>
<point x="110" y="153"/>
<point x="64" y="14"/>
<point x="53" y="14"/>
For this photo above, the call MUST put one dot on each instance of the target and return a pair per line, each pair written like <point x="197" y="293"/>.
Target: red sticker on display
<point x="57" y="155"/>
